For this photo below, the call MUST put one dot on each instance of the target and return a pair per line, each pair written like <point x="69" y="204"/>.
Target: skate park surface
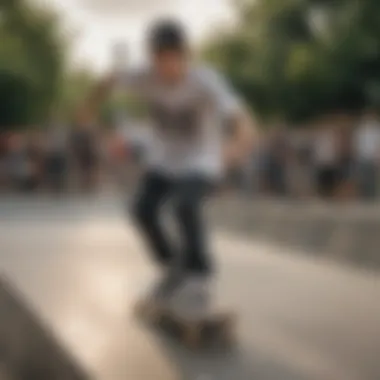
<point x="75" y="266"/>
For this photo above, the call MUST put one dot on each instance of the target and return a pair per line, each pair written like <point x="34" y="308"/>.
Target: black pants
<point x="187" y="195"/>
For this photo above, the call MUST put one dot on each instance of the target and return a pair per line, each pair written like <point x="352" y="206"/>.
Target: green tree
<point x="296" y="59"/>
<point x="32" y="62"/>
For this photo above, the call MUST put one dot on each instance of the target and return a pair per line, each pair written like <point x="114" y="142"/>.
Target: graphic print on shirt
<point x="183" y="122"/>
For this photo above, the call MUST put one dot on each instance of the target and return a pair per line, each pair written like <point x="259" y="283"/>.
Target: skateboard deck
<point x="194" y="332"/>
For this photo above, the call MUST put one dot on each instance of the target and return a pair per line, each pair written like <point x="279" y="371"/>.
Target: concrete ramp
<point x="73" y="269"/>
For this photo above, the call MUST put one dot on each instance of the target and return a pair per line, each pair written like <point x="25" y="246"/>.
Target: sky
<point x="100" y="24"/>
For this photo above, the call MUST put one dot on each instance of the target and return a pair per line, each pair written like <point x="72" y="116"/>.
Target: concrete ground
<point x="80" y="265"/>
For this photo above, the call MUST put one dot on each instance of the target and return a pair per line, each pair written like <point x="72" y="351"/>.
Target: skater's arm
<point x="235" y="113"/>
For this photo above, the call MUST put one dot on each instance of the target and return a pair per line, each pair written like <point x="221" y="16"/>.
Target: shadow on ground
<point x="216" y="361"/>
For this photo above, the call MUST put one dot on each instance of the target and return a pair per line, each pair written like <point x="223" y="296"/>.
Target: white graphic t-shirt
<point x="187" y="120"/>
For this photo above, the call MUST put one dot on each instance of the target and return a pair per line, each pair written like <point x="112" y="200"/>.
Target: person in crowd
<point x="295" y="167"/>
<point x="18" y="165"/>
<point x="119" y="151"/>
<point x="35" y="156"/>
<point x="84" y="154"/>
<point x="57" y="158"/>
<point x="367" y="155"/>
<point x="3" y="160"/>
<point x="325" y="157"/>
<point x="346" y="188"/>
<point x="277" y="157"/>
<point x="305" y="155"/>
<point x="252" y="173"/>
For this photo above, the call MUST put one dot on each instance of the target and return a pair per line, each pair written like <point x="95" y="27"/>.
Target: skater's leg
<point x="191" y="194"/>
<point x="154" y="191"/>
<point x="192" y="298"/>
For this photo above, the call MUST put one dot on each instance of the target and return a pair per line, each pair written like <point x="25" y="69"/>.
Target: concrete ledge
<point x="342" y="232"/>
<point x="28" y="349"/>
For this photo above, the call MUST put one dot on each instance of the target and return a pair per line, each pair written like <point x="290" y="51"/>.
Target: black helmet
<point x="167" y="35"/>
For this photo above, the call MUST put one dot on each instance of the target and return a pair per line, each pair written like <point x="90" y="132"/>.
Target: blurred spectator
<point x="105" y="154"/>
<point x="367" y="155"/>
<point x="277" y="155"/>
<point x="117" y="157"/>
<point x="18" y="165"/>
<point x="326" y="158"/>
<point x="332" y="159"/>
<point x="346" y="163"/>
<point x="299" y="168"/>
<point x="57" y="158"/>
<point x="3" y="160"/>
<point x="85" y="156"/>
<point x="35" y="156"/>
<point x="254" y="170"/>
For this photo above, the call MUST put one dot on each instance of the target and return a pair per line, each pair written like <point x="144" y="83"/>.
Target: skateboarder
<point x="188" y="105"/>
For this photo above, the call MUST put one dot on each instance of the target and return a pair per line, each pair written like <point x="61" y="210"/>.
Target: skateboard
<point x="194" y="332"/>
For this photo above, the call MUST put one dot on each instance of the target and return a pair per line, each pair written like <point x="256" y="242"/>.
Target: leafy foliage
<point x="297" y="59"/>
<point x="32" y="62"/>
